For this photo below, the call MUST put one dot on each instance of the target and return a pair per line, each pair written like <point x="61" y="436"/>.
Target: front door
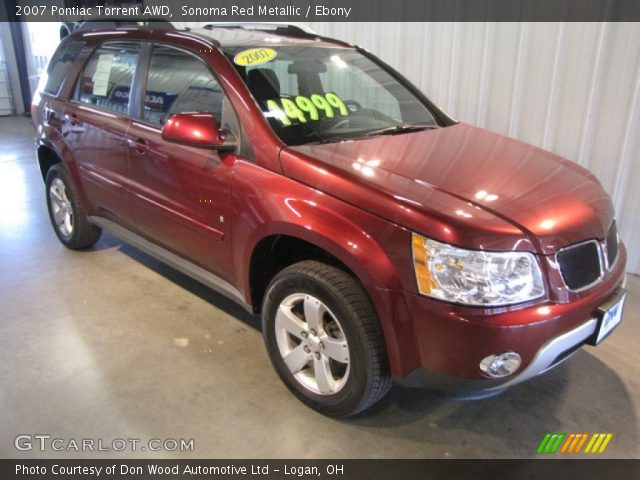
<point x="181" y="195"/>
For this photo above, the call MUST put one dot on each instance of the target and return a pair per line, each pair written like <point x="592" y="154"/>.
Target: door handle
<point x="49" y="113"/>
<point x="139" y="145"/>
<point x="72" y="119"/>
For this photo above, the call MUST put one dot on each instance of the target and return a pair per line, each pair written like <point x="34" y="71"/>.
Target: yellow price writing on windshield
<point x="303" y="109"/>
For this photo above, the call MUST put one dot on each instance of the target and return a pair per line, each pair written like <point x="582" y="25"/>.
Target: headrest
<point x="263" y="83"/>
<point x="308" y="66"/>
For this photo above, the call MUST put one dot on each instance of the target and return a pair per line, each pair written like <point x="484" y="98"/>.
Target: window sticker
<point x="303" y="109"/>
<point x="254" y="56"/>
<point x="101" y="77"/>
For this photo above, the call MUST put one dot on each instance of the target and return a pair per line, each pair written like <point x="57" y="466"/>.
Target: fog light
<point x="500" y="364"/>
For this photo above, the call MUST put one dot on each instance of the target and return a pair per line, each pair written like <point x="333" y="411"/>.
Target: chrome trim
<point x="600" y="261"/>
<point x="188" y="268"/>
<point x="615" y="261"/>
<point x="258" y="25"/>
<point x="605" y="248"/>
<point x="545" y="357"/>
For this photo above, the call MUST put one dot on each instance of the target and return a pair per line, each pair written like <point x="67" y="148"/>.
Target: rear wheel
<point x="67" y="216"/>
<point x="324" y="339"/>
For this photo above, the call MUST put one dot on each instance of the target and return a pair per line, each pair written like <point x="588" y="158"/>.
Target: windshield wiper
<point x="394" y="130"/>
<point x="403" y="128"/>
<point x="334" y="140"/>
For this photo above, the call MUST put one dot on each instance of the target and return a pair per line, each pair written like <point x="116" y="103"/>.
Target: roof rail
<point x="283" y="28"/>
<point x="105" y="23"/>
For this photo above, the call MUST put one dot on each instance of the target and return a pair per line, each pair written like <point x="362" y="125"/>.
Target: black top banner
<point x="326" y="10"/>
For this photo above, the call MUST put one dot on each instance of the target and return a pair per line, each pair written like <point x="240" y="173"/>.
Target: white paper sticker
<point x="101" y="77"/>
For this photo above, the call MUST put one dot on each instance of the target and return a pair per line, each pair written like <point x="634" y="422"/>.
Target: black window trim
<point x="73" y="97"/>
<point x="136" y="99"/>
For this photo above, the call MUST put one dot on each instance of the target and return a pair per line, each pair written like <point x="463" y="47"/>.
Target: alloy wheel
<point x="312" y="344"/>
<point x="61" y="207"/>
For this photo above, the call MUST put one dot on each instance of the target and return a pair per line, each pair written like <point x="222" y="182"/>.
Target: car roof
<point x="234" y="37"/>
<point x="228" y="38"/>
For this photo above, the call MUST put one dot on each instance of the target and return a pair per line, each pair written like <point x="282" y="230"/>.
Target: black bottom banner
<point x="311" y="469"/>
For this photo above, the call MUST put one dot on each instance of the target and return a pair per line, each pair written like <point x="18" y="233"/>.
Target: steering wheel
<point x="341" y="123"/>
<point x="353" y="105"/>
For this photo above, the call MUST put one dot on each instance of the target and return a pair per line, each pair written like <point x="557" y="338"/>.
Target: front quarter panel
<point x="269" y="204"/>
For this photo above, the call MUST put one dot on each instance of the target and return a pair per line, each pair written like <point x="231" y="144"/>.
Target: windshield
<point x="315" y="95"/>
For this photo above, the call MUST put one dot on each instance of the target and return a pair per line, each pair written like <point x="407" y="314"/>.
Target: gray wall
<point x="9" y="82"/>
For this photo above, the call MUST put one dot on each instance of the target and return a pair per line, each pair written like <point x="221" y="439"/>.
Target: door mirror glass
<point x="198" y="129"/>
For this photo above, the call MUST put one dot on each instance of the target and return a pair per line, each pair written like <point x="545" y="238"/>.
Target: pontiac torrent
<point x="378" y="238"/>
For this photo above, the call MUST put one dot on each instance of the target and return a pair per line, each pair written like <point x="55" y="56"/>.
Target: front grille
<point x="580" y="264"/>
<point x="612" y="244"/>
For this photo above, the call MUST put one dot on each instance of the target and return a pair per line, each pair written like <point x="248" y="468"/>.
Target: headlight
<point x="475" y="277"/>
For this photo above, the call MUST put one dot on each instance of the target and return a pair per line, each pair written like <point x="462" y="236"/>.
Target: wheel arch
<point x="51" y="153"/>
<point x="377" y="278"/>
<point x="47" y="157"/>
<point x="284" y="244"/>
<point x="268" y="258"/>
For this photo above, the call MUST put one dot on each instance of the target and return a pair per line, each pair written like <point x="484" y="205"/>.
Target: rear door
<point x="96" y="123"/>
<point x="181" y="194"/>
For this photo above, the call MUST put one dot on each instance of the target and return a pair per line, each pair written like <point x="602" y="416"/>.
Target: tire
<point x="67" y="216"/>
<point x="339" y="365"/>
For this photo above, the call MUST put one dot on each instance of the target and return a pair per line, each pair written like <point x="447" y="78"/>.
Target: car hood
<point x="489" y="191"/>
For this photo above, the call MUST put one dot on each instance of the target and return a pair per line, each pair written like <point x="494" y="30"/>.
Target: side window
<point x="60" y="65"/>
<point x="180" y="82"/>
<point x="106" y="79"/>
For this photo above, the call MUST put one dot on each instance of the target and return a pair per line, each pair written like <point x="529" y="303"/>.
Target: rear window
<point x="60" y="66"/>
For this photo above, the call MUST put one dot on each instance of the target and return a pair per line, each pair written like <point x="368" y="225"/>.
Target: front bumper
<point x="552" y="353"/>
<point x="442" y="344"/>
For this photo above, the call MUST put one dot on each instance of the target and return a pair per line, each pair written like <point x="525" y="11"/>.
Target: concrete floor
<point x="111" y="344"/>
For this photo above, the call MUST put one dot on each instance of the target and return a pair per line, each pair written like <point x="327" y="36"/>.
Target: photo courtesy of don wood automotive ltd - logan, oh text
<point x="271" y="239"/>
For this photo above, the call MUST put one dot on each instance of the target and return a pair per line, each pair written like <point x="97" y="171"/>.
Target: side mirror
<point x="197" y="129"/>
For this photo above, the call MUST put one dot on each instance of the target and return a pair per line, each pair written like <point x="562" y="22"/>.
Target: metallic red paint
<point x="357" y="200"/>
<point x="493" y="192"/>
<point x="196" y="129"/>
<point x="471" y="334"/>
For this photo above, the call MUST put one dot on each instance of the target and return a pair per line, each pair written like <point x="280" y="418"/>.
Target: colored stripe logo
<point x="555" y="442"/>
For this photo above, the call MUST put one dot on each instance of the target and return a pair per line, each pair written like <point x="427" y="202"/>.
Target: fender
<point x="351" y="235"/>
<point x="346" y="232"/>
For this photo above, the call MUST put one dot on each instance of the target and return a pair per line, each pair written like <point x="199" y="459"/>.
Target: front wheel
<point x="324" y="339"/>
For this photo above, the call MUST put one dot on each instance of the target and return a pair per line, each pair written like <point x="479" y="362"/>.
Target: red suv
<point x="378" y="238"/>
